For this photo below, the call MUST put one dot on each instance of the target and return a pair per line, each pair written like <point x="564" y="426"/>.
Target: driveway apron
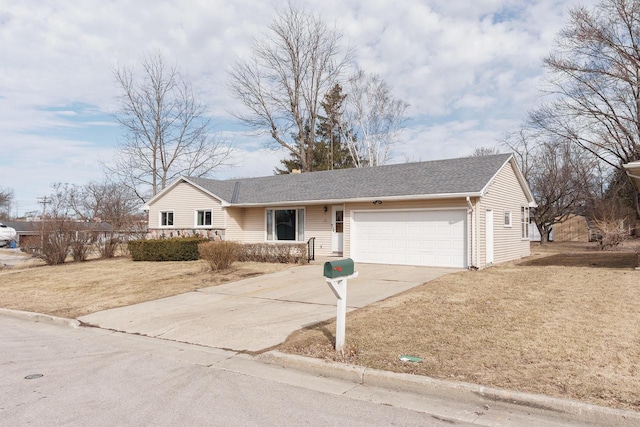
<point x="260" y="312"/>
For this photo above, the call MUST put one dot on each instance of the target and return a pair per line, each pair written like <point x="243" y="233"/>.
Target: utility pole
<point x="44" y="201"/>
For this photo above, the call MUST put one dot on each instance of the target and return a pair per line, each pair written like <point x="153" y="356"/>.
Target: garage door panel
<point x="432" y="238"/>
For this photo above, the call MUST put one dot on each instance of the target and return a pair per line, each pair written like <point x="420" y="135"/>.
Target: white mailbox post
<point x="338" y="285"/>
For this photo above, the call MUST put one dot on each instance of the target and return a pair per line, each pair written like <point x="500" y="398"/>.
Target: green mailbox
<point x="338" y="268"/>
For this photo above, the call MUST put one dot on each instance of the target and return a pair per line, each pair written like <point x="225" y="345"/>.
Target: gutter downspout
<point x="472" y="211"/>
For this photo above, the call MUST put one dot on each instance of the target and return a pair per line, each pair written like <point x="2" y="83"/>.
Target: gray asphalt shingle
<point x="451" y="176"/>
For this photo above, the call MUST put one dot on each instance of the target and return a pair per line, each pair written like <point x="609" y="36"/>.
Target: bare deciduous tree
<point x="595" y="70"/>
<point x="485" y="151"/>
<point x="563" y="178"/>
<point x="281" y="86"/>
<point x="372" y="120"/>
<point x="75" y="217"/>
<point x="167" y="132"/>
<point x="6" y="198"/>
<point x="103" y="201"/>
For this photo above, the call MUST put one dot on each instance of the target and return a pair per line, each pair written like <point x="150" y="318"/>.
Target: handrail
<point x="311" y="249"/>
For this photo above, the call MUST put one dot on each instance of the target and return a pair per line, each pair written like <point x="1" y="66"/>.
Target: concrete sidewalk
<point x="260" y="312"/>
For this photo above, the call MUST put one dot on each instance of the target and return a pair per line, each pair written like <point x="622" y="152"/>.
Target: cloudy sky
<point x="470" y="70"/>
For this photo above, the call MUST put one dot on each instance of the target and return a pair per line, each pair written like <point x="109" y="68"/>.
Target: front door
<point x="337" y="226"/>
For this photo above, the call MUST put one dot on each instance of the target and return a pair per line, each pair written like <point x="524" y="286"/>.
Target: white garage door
<point x="432" y="238"/>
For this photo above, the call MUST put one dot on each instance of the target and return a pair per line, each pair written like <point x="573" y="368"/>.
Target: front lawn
<point x="564" y="322"/>
<point x="75" y="289"/>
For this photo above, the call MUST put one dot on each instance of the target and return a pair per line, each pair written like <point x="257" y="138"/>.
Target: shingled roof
<point x="445" y="178"/>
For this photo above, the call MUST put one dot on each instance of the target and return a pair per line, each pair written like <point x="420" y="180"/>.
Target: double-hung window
<point x="507" y="218"/>
<point x="204" y="218"/>
<point x="524" y="222"/>
<point x="166" y="219"/>
<point x="285" y="225"/>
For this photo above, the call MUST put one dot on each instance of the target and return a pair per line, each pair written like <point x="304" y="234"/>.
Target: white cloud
<point x="470" y="70"/>
<point x="251" y="164"/>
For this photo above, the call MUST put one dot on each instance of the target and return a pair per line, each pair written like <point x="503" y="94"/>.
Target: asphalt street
<point x="54" y="375"/>
<point x="65" y="376"/>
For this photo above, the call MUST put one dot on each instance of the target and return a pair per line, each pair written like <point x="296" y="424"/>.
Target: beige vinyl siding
<point x="318" y="225"/>
<point x="235" y="221"/>
<point x="245" y="225"/>
<point x="504" y="194"/>
<point x="404" y="204"/>
<point x="253" y="225"/>
<point x="184" y="200"/>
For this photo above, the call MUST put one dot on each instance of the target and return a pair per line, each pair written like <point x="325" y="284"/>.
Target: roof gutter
<point x="360" y="199"/>
<point x="635" y="168"/>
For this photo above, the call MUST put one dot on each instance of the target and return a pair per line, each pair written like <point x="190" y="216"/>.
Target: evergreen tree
<point x="335" y="152"/>
<point x="329" y="150"/>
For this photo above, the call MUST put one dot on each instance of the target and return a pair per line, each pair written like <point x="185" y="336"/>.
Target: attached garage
<point x="436" y="238"/>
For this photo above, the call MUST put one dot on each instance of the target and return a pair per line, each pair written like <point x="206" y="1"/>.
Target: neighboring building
<point x="575" y="228"/>
<point x="29" y="233"/>
<point x="466" y="212"/>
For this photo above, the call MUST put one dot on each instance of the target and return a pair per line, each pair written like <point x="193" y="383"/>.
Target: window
<point x="507" y="218"/>
<point x="285" y="224"/>
<point x="166" y="219"/>
<point x="524" y="222"/>
<point x="204" y="218"/>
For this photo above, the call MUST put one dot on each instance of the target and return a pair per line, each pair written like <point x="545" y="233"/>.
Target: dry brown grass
<point x="75" y="289"/>
<point x="558" y="323"/>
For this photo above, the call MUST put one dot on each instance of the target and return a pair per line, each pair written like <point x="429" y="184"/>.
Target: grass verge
<point x="563" y="323"/>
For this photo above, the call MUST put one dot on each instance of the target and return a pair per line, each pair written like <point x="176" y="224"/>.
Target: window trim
<point x="524" y="222"/>
<point x="508" y="219"/>
<point x="195" y="218"/>
<point x="173" y="219"/>
<point x="298" y="233"/>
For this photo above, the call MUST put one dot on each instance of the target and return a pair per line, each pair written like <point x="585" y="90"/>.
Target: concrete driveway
<point x="260" y="312"/>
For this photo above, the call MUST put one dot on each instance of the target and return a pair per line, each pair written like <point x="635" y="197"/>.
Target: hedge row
<point x="177" y="249"/>
<point x="269" y="252"/>
<point x="219" y="255"/>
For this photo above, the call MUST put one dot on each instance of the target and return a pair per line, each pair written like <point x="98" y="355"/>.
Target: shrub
<point x="178" y="249"/>
<point x="55" y="247"/>
<point x="612" y="233"/>
<point x="108" y="247"/>
<point x="56" y="241"/>
<point x="270" y="252"/>
<point x="219" y="255"/>
<point x="80" y="242"/>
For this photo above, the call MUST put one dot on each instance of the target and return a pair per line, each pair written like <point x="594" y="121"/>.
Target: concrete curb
<point x="569" y="410"/>
<point x="38" y="317"/>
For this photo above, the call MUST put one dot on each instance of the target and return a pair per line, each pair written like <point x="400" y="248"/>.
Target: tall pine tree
<point x="329" y="151"/>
